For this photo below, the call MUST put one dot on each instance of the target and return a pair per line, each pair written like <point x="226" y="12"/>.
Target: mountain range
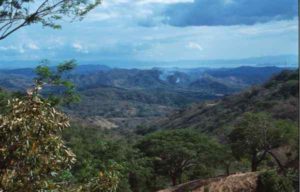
<point x="263" y="61"/>
<point x="115" y="97"/>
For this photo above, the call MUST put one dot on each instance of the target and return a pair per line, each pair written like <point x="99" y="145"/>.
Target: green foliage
<point x="176" y="152"/>
<point x="97" y="151"/>
<point x="107" y="181"/>
<point x="257" y="133"/>
<point x="226" y="159"/>
<point x="270" y="181"/>
<point x="32" y="151"/>
<point x="251" y="134"/>
<point x="144" y="130"/>
<point x="289" y="84"/>
<point x="33" y="156"/>
<point x="65" y="91"/>
<point x="64" y="176"/>
<point x="286" y="132"/>
<point x="20" y="13"/>
<point x="4" y="96"/>
<point x="93" y="151"/>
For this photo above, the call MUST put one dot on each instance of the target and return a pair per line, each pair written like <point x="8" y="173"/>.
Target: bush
<point x="270" y="181"/>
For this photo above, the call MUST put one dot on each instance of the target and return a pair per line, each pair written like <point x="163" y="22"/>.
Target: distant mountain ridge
<point x="277" y="60"/>
<point x="93" y="76"/>
<point x="131" y="94"/>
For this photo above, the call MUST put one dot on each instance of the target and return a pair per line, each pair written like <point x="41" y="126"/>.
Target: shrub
<point x="270" y="181"/>
<point x="31" y="149"/>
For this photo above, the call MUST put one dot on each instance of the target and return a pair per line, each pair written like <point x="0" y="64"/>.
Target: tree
<point x="4" y="95"/>
<point x="97" y="151"/>
<point x="177" y="151"/>
<point x="33" y="156"/>
<point x="256" y="135"/>
<point x="225" y="158"/>
<point x="16" y="14"/>
<point x="57" y="90"/>
<point x="107" y="181"/>
<point x="32" y="151"/>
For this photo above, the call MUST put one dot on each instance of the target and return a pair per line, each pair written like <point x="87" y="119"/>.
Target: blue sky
<point x="164" y="30"/>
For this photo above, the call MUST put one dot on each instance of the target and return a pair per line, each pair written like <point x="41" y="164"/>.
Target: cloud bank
<point x="229" y="12"/>
<point x="165" y="30"/>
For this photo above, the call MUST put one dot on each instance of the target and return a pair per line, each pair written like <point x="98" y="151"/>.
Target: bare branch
<point x="17" y="14"/>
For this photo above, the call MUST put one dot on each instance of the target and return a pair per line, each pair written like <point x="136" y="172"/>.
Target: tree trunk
<point x="254" y="163"/>
<point x="174" y="180"/>
<point x="133" y="182"/>
<point x="254" y="167"/>
<point x="180" y="178"/>
<point x="227" y="169"/>
<point x="281" y="167"/>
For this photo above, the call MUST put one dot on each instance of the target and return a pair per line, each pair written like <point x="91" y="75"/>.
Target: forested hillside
<point x="278" y="97"/>
<point x="173" y="150"/>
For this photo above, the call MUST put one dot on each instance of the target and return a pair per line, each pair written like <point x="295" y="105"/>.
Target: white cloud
<point x="80" y="48"/>
<point x="101" y="16"/>
<point x="6" y="48"/>
<point x="270" y="28"/>
<point x="193" y="45"/>
<point x="164" y="1"/>
<point x="112" y="3"/>
<point x="119" y="34"/>
<point x="33" y="46"/>
<point x="19" y="49"/>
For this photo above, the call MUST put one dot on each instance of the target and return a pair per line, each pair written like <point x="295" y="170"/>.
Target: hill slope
<point x="233" y="183"/>
<point x="279" y="96"/>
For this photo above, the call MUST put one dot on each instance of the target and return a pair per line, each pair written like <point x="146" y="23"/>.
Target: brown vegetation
<point x="234" y="183"/>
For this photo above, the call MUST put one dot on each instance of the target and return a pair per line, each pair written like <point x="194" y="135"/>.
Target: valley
<point x="125" y="98"/>
<point x="161" y="127"/>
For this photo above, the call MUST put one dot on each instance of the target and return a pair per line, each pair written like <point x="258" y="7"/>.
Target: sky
<point x="164" y="30"/>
